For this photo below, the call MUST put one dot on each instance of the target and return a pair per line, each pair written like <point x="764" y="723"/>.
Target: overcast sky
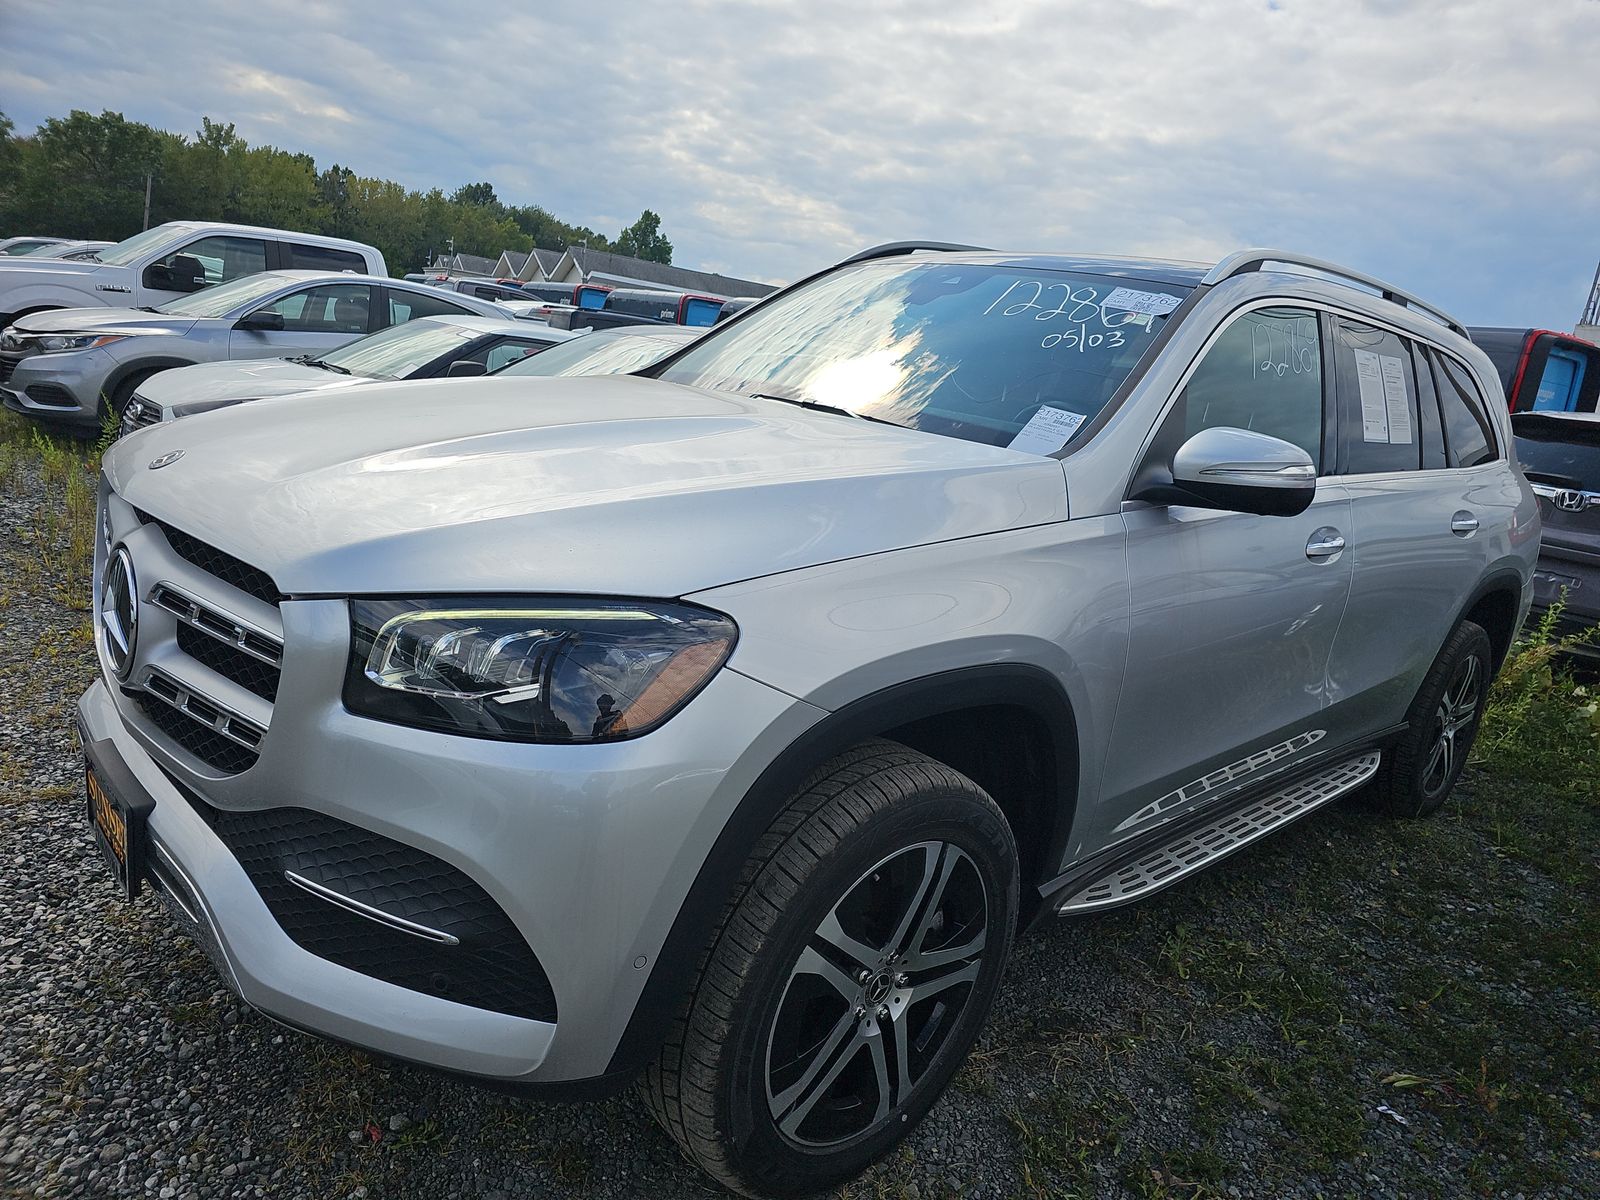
<point x="1451" y="147"/>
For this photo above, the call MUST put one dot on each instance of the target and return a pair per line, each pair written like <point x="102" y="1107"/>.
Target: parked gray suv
<point x="65" y="367"/>
<point x="722" y="725"/>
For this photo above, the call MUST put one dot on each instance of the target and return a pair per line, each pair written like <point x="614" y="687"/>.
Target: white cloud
<point x="1449" y="146"/>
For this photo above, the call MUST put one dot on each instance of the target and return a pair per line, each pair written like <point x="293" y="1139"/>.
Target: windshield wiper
<point x="827" y="408"/>
<point x="307" y="360"/>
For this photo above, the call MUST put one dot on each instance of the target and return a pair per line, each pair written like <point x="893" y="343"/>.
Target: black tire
<point x="847" y="851"/>
<point x="1418" y="773"/>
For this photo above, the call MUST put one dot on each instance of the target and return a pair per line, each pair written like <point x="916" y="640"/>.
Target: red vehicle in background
<point x="1542" y="370"/>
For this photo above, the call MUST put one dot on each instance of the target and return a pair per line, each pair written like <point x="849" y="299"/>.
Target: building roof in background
<point x="604" y="267"/>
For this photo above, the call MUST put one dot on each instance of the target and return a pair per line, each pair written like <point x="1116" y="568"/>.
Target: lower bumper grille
<point x="489" y="965"/>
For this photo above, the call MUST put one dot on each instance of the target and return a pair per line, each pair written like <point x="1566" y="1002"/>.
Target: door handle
<point x="1463" y="524"/>
<point x="1325" y="543"/>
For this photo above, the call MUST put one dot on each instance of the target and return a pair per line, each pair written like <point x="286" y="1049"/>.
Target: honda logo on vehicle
<point x="1570" y="500"/>
<point x="166" y="460"/>
<point x="119" y="612"/>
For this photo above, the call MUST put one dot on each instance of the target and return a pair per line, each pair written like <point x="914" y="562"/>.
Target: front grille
<point x="202" y="741"/>
<point x="490" y="967"/>
<point x="230" y="661"/>
<point x="251" y="580"/>
<point x="137" y="415"/>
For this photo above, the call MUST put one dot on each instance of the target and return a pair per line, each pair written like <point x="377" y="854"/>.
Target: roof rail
<point x="1244" y="261"/>
<point x="889" y="249"/>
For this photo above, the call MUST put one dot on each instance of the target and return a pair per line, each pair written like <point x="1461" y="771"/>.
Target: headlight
<point x="55" y="343"/>
<point x="531" y="670"/>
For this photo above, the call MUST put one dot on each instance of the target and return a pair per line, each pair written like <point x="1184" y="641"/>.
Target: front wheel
<point x="1424" y="765"/>
<point x="851" y="974"/>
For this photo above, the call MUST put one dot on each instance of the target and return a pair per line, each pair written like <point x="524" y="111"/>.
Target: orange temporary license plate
<point x="118" y="830"/>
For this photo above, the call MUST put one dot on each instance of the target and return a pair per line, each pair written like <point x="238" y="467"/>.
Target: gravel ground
<point x="1356" y="1009"/>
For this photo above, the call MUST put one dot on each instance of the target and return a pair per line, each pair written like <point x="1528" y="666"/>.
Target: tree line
<point x="86" y="176"/>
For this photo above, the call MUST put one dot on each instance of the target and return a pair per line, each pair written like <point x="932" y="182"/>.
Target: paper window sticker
<point x="1155" y="304"/>
<point x="1047" y="431"/>
<point x="1374" y="406"/>
<point x="1396" y="399"/>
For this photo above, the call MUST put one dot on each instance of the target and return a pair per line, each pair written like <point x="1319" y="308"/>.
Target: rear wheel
<point x="852" y="972"/>
<point x="1443" y="721"/>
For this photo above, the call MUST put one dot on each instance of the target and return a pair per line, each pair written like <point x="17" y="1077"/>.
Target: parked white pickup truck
<point x="169" y="261"/>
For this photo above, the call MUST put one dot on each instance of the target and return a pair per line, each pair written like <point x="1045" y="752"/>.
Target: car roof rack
<point x="1244" y="261"/>
<point x="889" y="249"/>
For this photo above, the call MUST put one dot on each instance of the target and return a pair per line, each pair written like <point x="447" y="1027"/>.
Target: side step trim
<point x="1201" y="846"/>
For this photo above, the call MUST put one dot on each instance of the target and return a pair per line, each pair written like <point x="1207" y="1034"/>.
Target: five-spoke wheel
<point x="849" y="978"/>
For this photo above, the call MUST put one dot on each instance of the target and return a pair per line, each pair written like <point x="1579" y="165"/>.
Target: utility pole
<point x="147" y="178"/>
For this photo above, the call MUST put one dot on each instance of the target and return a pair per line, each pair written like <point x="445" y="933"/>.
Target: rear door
<point x="315" y="320"/>
<point x="1232" y="615"/>
<point x="1432" y="500"/>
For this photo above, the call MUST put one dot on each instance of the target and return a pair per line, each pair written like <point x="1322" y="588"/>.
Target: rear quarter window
<point x="325" y="258"/>
<point x="1469" y="437"/>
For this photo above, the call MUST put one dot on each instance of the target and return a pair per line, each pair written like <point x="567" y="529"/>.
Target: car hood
<point x="185" y="391"/>
<point x="605" y="485"/>
<point x="103" y="320"/>
<point x="60" y="266"/>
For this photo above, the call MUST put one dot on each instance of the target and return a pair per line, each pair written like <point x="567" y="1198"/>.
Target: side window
<point x="408" y="306"/>
<point x="328" y="308"/>
<point x="324" y="258"/>
<point x="1376" y="397"/>
<point x="1430" y="426"/>
<point x="1264" y="373"/>
<point x="1467" y="432"/>
<point x="503" y="354"/>
<point x="213" y="260"/>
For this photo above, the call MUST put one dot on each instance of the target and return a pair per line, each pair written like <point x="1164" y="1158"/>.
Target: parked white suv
<point x="169" y="261"/>
<point x="723" y="725"/>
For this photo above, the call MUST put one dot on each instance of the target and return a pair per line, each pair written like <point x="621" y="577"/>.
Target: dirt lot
<point x="1358" y="1008"/>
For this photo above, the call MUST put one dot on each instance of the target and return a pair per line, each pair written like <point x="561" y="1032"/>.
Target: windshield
<point x="596" y="354"/>
<point x="1002" y="355"/>
<point x="396" y="352"/>
<point x="224" y="297"/>
<point x="128" y="249"/>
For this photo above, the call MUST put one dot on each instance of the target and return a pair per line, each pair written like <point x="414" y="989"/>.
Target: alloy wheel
<point x="1452" y="724"/>
<point x="875" y="994"/>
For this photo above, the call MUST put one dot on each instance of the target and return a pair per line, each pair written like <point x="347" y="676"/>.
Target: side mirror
<point x="261" y="321"/>
<point x="1236" y="470"/>
<point x="465" y="368"/>
<point x="183" y="274"/>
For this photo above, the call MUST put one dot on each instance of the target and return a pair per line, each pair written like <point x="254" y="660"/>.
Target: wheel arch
<point x="1495" y="604"/>
<point x="1024" y="709"/>
<point x="140" y="369"/>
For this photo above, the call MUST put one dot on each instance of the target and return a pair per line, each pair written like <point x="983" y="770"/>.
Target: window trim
<point x="1330" y="409"/>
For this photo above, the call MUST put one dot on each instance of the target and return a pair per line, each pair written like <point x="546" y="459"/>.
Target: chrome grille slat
<point x="218" y="623"/>
<point x="203" y="710"/>
<point x="210" y="653"/>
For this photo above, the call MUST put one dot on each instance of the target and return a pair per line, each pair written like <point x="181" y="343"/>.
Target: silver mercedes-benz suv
<point x="721" y="725"/>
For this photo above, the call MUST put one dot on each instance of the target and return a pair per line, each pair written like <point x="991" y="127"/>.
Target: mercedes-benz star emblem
<point x="166" y="460"/>
<point x="119" y="611"/>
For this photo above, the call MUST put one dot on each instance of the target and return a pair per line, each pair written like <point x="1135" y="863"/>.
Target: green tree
<point x="83" y="176"/>
<point x="643" y="239"/>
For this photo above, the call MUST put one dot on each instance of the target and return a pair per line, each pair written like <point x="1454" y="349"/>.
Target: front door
<point x="315" y="320"/>
<point x="1232" y="615"/>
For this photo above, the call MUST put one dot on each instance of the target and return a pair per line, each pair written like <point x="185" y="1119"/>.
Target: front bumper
<point x="589" y="849"/>
<point x="63" y="389"/>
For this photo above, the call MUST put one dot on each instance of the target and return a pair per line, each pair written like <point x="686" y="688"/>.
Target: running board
<point x="1234" y="830"/>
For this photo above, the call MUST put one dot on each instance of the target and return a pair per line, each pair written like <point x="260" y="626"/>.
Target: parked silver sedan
<point x="66" y="365"/>
<point x="429" y="348"/>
